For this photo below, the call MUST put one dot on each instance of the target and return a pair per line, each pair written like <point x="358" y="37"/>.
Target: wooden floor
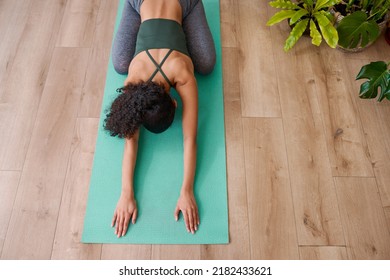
<point x="308" y="161"/>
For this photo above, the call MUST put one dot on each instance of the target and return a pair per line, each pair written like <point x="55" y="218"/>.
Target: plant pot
<point x="382" y="27"/>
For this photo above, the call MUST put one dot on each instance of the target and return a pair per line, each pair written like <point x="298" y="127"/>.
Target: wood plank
<point x="32" y="41"/>
<point x="315" y="204"/>
<point x="95" y="79"/>
<point x="126" y="252"/>
<point x="71" y="216"/>
<point x="231" y="81"/>
<point x="384" y="113"/>
<point x="239" y="247"/>
<point x="7" y="118"/>
<point x="13" y="19"/>
<point x="270" y="208"/>
<point x="93" y="89"/>
<point x="387" y="215"/>
<point x="259" y="94"/>
<point x="9" y="181"/>
<point x="25" y="82"/>
<point x="176" y="252"/>
<point x="345" y="140"/>
<point x="229" y="16"/>
<point x="380" y="47"/>
<point x="33" y="222"/>
<point x="323" y="253"/>
<point x="376" y="128"/>
<point x="78" y="24"/>
<point x="104" y="25"/>
<point x="364" y="222"/>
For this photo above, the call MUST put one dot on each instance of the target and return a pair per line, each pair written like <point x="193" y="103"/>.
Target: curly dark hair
<point x="146" y="104"/>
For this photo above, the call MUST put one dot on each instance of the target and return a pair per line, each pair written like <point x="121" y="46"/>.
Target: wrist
<point x="187" y="189"/>
<point x="127" y="193"/>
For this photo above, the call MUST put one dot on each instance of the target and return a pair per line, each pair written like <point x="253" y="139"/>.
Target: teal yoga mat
<point x="159" y="169"/>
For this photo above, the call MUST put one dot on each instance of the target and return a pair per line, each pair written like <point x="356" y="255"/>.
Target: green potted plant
<point x="360" y="22"/>
<point x="311" y="15"/>
<point x="378" y="75"/>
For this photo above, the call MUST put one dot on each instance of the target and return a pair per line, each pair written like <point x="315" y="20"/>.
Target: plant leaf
<point x="295" y="34"/>
<point x="320" y="4"/>
<point x="356" y="28"/>
<point x="332" y="3"/>
<point x="315" y="34"/>
<point x="279" y="16"/>
<point x="298" y="15"/>
<point x="378" y="77"/>
<point x="327" y="29"/>
<point x="283" y="4"/>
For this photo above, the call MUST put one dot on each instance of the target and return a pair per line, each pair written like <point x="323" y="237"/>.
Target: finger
<point x="117" y="224"/>
<point x="113" y="220"/>
<point x="125" y="224"/>
<point x="135" y="213"/>
<point x="186" y="220"/>
<point x="176" y="214"/>
<point x="120" y="228"/>
<point x="191" y="221"/>
<point x="124" y="230"/>
<point x="195" y="219"/>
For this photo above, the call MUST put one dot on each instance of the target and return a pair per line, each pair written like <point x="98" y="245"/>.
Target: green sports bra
<point x="161" y="34"/>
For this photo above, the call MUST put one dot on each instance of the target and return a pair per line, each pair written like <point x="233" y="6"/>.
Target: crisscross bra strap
<point x="158" y="66"/>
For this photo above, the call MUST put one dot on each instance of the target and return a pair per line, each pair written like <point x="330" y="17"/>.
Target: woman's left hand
<point x="187" y="205"/>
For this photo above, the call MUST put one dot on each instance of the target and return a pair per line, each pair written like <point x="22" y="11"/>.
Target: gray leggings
<point x="200" y="42"/>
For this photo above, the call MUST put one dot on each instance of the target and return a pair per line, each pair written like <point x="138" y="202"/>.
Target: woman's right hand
<point x="125" y="211"/>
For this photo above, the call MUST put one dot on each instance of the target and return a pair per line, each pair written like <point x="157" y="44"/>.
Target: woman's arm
<point x="126" y="208"/>
<point x="186" y="204"/>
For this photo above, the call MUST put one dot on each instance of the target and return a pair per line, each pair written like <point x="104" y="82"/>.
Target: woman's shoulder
<point x="140" y="67"/>
<point x="182" y="68"/>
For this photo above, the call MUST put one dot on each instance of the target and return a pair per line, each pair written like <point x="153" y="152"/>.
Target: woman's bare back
<point x="168" y="9"/>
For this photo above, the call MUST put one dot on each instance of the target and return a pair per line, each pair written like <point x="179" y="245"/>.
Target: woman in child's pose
<point x="159" y="43"/>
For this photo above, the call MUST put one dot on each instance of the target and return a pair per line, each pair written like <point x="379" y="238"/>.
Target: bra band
<point x="158" y="66"/>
